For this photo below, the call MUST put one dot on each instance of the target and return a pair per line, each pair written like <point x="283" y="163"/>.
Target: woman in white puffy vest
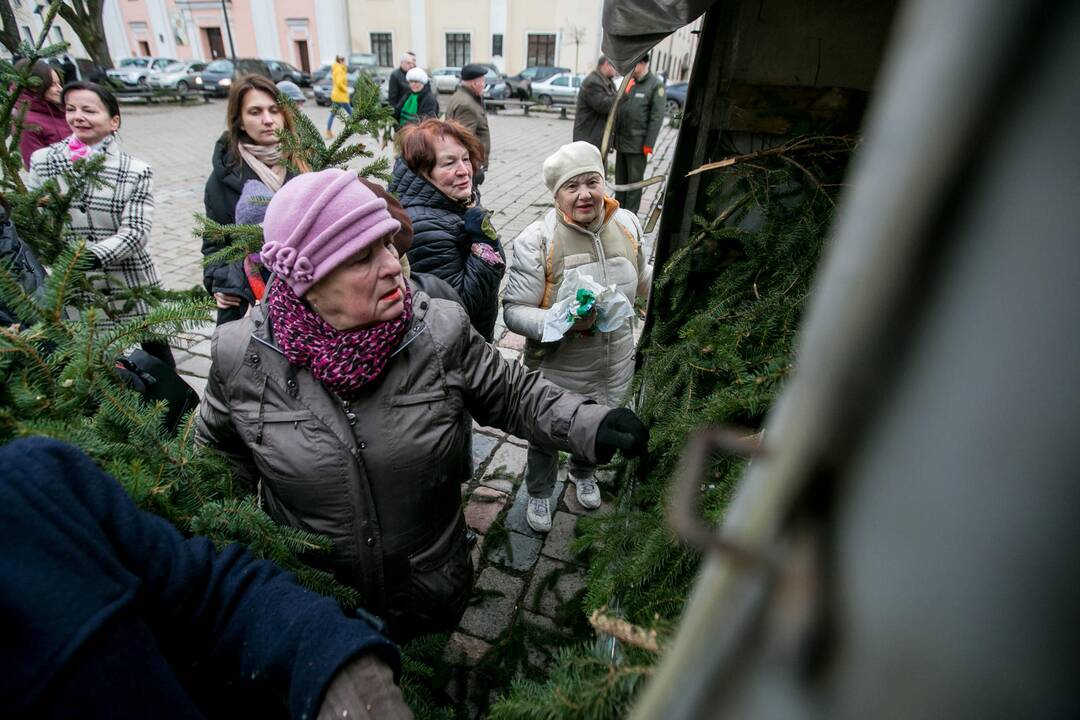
<point x="588" y="232"/>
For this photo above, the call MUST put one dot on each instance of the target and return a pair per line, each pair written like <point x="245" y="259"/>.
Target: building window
<point x="458" y="49"/>
<point x="57" y="34"/>
<point x="383" y="47"/>
<point x="29" y="36"/>
<point x="541" y="49"/>
<point x="496" y="44"/>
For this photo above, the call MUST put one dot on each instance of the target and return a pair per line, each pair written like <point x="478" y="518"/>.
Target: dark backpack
<point x="21" y="262"/>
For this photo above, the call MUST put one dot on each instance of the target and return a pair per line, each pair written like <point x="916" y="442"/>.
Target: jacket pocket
<point x="441" y="578"/>
<point x="423" y="434"/>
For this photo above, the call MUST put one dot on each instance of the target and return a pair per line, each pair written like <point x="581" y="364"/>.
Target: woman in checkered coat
<point x="113" y="217"/>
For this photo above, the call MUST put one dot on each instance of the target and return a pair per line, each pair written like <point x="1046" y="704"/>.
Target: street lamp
<point x="228" y="31"/>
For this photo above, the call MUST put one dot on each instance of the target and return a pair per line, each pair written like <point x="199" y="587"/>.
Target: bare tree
<point x="575" y="35"/>
<point x="85" y="18"/>
<point x="9" y="32"/>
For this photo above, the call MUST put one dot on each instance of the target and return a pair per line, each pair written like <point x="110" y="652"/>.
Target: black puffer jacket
<point x="223" y="189"/>
<point x="442" y="246"/>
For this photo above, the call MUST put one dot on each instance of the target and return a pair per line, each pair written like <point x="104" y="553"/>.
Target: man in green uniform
<point x="641" y="113"/>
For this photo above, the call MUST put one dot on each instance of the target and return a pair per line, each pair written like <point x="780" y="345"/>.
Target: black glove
<point x="364" y="690"/>
<point x="478" y="226"/>
<point x="621" y="430"/>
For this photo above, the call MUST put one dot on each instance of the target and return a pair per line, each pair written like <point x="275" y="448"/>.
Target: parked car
<point x="559" y="88"/>
<point x="445" y="79"/>
<point x="520" y="85"/>
<point x="292" y="91"/>
<point x="495" y="86"/>
<point x="179" y="76"/>
<point x="320" y="73"/>
<point x="676" y="97"/>
<point x="321" y="89"/>
<point x="284" y="71"/>
<point x="217" y="78"/>
<point x="364" y="62"/>
<point x="133" y="72"/>
<point x="84" y="70"/>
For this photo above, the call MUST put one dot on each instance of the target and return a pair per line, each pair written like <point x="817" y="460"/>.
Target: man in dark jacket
<point x="641" y="113"/>
<point x="594" y="101"/>
<point x="397" y="85"/>
<point x="467" y="107"/>
<point x="108" y="611"/>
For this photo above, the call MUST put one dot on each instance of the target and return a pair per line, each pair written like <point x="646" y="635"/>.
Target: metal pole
<point x="228" y="31"/>
<point x="348" y="26"/>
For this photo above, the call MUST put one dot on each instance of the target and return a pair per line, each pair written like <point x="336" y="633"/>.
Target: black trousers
<point x="629" y="168"/>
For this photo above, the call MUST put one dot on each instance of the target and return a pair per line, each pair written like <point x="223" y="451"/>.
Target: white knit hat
<point x="569" y="161"/>
<point x="416" y="75"/>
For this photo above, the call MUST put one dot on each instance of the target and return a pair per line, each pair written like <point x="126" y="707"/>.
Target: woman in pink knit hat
<point x="345" y="399"/>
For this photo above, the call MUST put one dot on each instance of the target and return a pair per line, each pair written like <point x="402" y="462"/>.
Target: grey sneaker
<point x="588" y="494"/>
<point x="538" y="514"/>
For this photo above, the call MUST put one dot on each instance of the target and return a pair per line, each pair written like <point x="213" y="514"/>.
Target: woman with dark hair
<point x="44" y="121"/>
<point x="248" y="160"/>
<point x="113" y="216"/>
<point x="452" y="235"/>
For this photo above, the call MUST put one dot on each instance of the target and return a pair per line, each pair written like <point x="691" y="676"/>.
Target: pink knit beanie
<point x="316" y="221"/>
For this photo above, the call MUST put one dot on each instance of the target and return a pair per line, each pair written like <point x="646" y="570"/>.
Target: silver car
<point x="179" y="76"/>
<point x="445" y="79"/>
<point x="135" y="72"/>
<point x="559" y="88"/>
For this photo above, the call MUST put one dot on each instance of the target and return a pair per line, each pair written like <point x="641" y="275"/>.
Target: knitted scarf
<point x="267" y="163"/>
<point x="410" y="108"/>
<point x="342" y="360"/>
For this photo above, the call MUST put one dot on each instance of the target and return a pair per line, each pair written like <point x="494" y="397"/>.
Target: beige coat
<point x="468" y="110"/>
<point x="381" y="476"/>
<point x="599" y="366"/>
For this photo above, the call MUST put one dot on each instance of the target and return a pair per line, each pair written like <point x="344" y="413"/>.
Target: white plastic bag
<point x="612" y="307"/>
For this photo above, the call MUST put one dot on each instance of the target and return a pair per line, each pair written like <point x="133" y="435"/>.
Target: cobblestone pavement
<point x="516" y="571"/>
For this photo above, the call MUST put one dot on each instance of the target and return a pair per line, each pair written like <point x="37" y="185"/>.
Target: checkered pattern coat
<point x="113" y="218"/>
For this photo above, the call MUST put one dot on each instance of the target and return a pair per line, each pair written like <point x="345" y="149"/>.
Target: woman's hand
<point x="585" y="323"/>
<point x="621" y="430"/>
<point x="225" y="302"/>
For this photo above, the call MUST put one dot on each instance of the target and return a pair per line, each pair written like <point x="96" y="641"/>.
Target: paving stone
<point x="517" y="552"/>
<point x="546" y="600"/>
<point x="200" y="348"/>
<point x="489" y="617"/>
<point x="194" y="365"/>
<point x="515" y="516"/>
<point x="520" y="442"/>
<point x="503" y="485"/>
<point x="508" y="462"/>
<point x="513" y="341"/>
<point x="557" y="544"/>
<point x="197" y="384"/>
<point x="511" y="355"/>
<point x="541" y="654"/>
<point x="482" y="446"/>
<point x="483" y="507"/>
<point x="466" y="650"/>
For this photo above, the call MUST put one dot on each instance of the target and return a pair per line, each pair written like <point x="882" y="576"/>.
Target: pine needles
<point x="725" y="308"/>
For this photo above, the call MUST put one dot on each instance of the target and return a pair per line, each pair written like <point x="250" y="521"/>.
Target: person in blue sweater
<point x="108" y="611"/>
